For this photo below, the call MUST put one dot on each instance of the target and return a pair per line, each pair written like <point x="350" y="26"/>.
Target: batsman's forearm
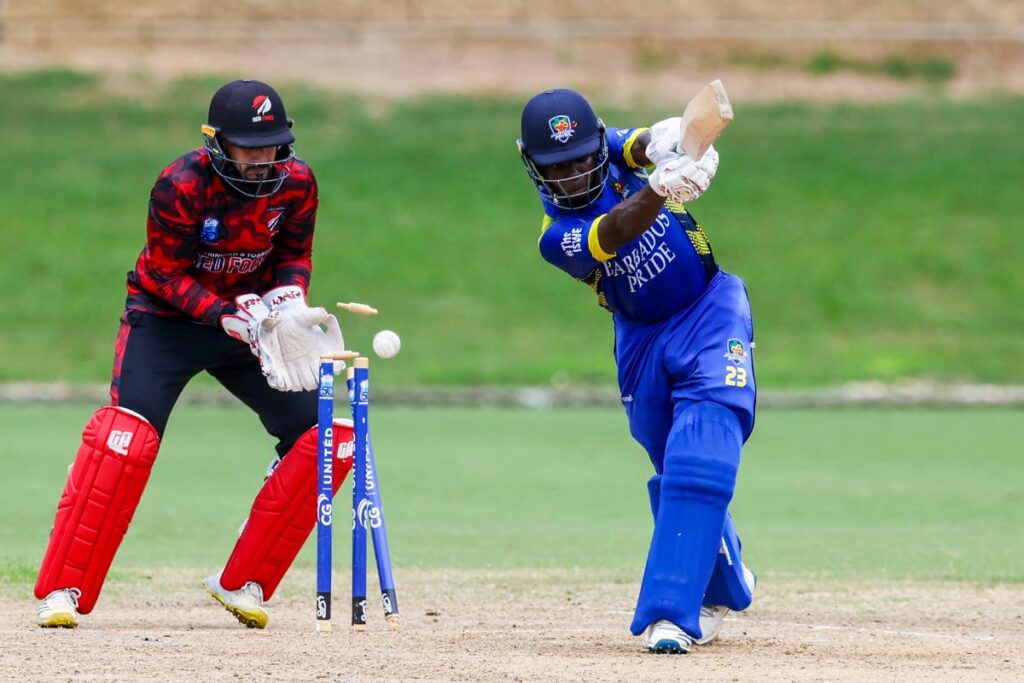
<point x="629" y="220"/>
<point x="639" y="149"/>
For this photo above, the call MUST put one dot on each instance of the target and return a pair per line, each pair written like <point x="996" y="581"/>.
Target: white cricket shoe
<point x="711" y="616"/>
<point x="664" y="637"/>
<point x="60" y="608"/>
<point x="246" y="603"/>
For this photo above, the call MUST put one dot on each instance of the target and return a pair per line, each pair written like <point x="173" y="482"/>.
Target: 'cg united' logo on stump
<point x="562" y="127"/>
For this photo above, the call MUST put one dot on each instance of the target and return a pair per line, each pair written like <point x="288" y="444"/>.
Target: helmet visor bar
<point x="556" y="191"/>
<point x="232" y="172"/>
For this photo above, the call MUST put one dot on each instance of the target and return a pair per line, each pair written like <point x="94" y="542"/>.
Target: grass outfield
<point x="878" y="242"/>
<point x="854" y="494"/>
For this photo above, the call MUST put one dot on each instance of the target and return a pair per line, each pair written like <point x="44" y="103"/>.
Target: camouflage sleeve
<point x="164" y="266"/>
<point x="293" y="248"/>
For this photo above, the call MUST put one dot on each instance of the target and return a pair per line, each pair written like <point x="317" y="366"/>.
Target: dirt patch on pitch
<point x="552" y="625"/>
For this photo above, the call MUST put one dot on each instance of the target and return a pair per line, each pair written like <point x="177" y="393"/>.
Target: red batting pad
<point x="284" y="512"/>
<point x="102" y="491"/>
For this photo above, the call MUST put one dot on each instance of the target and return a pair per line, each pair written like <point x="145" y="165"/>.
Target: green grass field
<point x="878" y="242"/>
<point x="834" y="493"/>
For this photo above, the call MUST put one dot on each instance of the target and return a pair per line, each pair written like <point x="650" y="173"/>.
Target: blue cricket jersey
<point x="656" y="275"/>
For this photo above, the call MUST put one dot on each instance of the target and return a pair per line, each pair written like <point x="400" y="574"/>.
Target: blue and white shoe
<point x="711" y="616"/>
<point x="665" y="638"/>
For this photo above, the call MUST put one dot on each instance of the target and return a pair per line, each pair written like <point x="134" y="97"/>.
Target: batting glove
<point x="683" y="180"/>
<point x="664" y="142"/>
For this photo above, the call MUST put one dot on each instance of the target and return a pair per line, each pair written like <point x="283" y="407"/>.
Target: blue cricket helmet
<point x="559" y="126"/>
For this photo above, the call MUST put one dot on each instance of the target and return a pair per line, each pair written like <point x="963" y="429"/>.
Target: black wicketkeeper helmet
<point x="249" y="113"/>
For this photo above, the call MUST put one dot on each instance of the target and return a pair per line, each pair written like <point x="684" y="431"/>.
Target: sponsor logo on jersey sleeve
<point x="572" y="242"/>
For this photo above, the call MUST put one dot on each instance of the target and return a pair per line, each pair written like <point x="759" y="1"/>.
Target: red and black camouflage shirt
<point x="206" y="244"/>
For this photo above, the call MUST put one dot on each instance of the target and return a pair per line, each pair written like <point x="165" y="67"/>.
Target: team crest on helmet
<point x="736" y="352"/>
<point x="562" y="127"/>
<point x="262" y="105"/>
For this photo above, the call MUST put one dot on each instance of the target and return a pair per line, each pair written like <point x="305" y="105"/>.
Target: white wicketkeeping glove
<point x="295" y="341"/>
<point x="244" y="325"/>
<point x="284" y="298"/>
<point x="664" y="142"/>
<point x="683" y="180"/>
<point x="290" y="298"/>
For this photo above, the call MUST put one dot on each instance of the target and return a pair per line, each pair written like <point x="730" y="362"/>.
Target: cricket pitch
<point x="521" y="625"/>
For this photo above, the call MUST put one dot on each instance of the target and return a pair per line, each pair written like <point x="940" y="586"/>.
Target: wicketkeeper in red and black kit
<point x="220" y="286"/>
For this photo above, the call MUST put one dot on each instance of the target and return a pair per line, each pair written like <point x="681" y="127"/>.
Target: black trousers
<point x="157" y="355"/>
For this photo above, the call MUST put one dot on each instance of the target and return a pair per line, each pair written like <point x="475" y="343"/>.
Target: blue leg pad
<point x="702" y="457"/>
<point x="728" y="586"/>
<point x="654" y="492"/>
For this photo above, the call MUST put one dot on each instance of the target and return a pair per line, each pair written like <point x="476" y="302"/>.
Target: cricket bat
<point x="704" y="119"/>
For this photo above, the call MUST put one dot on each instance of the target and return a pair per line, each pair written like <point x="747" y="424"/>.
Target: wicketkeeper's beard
<point x="252" y="172"/>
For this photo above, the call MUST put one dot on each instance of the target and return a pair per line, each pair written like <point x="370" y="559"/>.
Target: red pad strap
<point x="102" y="491"/>
<point x="284" y="512"/>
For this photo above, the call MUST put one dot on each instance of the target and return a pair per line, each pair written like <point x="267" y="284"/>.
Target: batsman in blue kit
<point x="616" y="219"/>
